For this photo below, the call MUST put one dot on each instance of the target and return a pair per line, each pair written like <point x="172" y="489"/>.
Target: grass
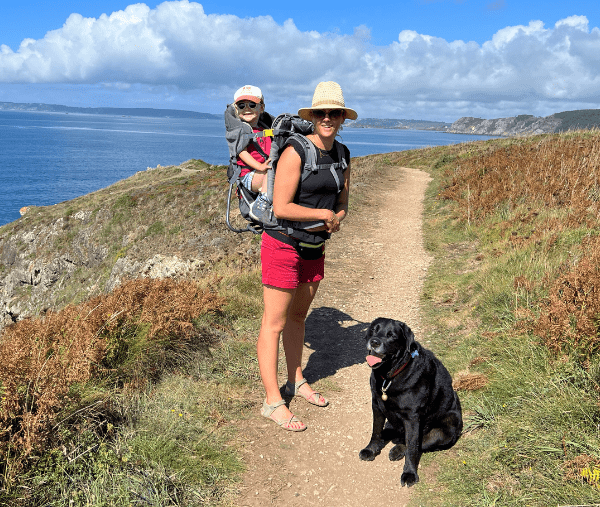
<point x="172" y="449"/>
<point x="153" y="423"/>
<point x="531" y="430"/>
<point x="509" y="303"/>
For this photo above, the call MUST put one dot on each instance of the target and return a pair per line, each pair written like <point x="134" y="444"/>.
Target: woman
<point x="293" y="264"/>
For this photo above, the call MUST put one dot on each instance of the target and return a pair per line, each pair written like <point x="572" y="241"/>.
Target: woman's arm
<point x="287" y="178"/>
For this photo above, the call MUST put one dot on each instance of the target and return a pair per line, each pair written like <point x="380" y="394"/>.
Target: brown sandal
<point x="267" y="411"/>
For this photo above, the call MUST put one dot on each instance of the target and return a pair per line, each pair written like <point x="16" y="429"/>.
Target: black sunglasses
<point x="320" y="114"/>
<point x="243" y="105"/>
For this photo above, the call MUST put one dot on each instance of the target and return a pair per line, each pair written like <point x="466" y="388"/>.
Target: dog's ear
<point x="409" y="336"/>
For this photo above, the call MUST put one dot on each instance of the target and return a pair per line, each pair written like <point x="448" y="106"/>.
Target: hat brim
<point x="248" y="97"/>
<point x="304" y="113"/>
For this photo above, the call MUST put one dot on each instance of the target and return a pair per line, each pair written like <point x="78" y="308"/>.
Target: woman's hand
<point x="332" y="223"/>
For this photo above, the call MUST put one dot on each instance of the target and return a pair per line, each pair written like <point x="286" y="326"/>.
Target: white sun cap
<point x="248" y="92"/>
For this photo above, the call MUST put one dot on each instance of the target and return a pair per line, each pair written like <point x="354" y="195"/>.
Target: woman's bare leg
<point x="277" y="304"/>
<point x="293" y="331"/>
<point x="293" y="334"/>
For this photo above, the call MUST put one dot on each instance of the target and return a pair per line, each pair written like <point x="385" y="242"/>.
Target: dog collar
<point x="384" y="386"/>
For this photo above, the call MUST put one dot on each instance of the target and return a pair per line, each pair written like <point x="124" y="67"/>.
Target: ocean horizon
<point x="49" y="157"/>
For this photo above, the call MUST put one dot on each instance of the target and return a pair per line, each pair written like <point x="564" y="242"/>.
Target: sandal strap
<point x="267" y="410"/>
<point x="300" y="382"/>
<point x="292" y="389"/>
<point x="286" y="424"/>
<point x="314" y="396"/>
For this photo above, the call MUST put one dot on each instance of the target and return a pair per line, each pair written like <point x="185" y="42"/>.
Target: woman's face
<point x="249" y="111"/>
<point x="328" y="121"/>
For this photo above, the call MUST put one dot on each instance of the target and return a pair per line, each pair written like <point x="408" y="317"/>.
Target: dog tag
<point x="384" y="389"/>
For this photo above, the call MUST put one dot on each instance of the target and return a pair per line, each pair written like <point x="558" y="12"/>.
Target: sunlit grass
<point x="531" y="433"/>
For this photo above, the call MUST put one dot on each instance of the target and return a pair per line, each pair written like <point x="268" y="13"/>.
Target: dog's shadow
<point x="336" y="340"/>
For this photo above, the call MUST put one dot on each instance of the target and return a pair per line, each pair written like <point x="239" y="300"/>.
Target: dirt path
<point x="374" y="267"/>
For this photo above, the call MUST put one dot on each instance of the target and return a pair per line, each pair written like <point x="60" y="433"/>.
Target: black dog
<point x="412" y="391"/>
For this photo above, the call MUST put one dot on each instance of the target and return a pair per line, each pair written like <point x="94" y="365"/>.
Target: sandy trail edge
<point x="375" y="267"/>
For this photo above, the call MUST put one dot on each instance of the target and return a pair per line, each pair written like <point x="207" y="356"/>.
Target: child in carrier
<point x="254" y="158"/>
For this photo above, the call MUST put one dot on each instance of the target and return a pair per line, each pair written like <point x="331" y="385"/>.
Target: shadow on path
<point x="337" y="341"/>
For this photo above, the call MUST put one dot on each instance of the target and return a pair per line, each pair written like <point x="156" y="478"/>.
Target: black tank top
<point x="318" y="191"/>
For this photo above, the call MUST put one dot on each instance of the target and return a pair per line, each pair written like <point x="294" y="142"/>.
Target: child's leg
<point x="248" y="180"/>
<point x="257" y="181"/>
<point x="261" y="209"/>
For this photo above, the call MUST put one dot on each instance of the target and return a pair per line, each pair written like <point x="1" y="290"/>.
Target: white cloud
<point x="176" y="46"/>
<point x="511" y="33"/>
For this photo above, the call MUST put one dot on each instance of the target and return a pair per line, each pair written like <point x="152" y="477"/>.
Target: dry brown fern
<point x="43" y="358"/>
<point x="570" y="316"/>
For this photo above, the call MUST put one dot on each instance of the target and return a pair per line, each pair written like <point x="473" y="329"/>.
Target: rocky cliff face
<point x="161" y="222"/>
<point x="527" y="124"/>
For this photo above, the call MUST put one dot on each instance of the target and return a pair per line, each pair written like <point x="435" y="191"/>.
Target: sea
<point x="47" y="158"/>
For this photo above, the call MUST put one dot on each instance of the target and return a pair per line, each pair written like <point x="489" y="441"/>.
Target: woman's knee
<point x="272" y="324"/>
<point x="297" y="318"/>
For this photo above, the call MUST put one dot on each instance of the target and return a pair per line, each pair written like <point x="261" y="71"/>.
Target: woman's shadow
<point x="337" y="341"/>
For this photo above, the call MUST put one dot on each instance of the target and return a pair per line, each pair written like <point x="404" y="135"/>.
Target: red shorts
<point x="282" y="267"/>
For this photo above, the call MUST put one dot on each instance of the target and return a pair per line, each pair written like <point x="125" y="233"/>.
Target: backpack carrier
<point x="284" y="127"/>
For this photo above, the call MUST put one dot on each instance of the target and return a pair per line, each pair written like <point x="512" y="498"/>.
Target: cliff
<point x="166" y="221"/>
<point x="528" y="124"/>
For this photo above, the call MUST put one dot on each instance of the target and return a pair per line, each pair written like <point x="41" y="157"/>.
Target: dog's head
<point x="389" y="342"/>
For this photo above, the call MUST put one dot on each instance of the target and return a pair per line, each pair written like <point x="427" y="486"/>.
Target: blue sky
<point x="414" y="59"/>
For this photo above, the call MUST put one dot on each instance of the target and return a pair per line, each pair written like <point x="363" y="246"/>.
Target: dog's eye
<point x="390" y="334"/>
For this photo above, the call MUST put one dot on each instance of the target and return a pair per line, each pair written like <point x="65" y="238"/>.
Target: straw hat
<point x="328" y="95"/>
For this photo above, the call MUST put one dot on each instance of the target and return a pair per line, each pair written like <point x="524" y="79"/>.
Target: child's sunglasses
<point x="243" y="105"/>
<point x="320" y="114"/>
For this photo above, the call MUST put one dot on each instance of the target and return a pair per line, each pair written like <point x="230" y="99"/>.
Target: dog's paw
<point x="367" y="454"/>
<point x="408" y="479"/>
<point x="397" y="452"/>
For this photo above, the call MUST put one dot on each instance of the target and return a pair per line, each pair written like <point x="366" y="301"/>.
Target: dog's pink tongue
<point x="373" y="360"/>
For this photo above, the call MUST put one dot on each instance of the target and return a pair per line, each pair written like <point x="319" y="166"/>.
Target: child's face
<point x="247" y="114"/>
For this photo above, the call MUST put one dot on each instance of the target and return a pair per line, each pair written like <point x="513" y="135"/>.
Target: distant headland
<point x="525" y="124"/>
<point x="380" y="123"/>
<point x="115" y="111"/>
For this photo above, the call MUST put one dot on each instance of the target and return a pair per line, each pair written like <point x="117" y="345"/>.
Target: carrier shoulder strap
<point x="265" y="122"/>
<point x="311" y="166"/>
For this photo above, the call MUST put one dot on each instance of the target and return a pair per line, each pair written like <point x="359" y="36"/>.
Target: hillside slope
<point x="166" y="221"/>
